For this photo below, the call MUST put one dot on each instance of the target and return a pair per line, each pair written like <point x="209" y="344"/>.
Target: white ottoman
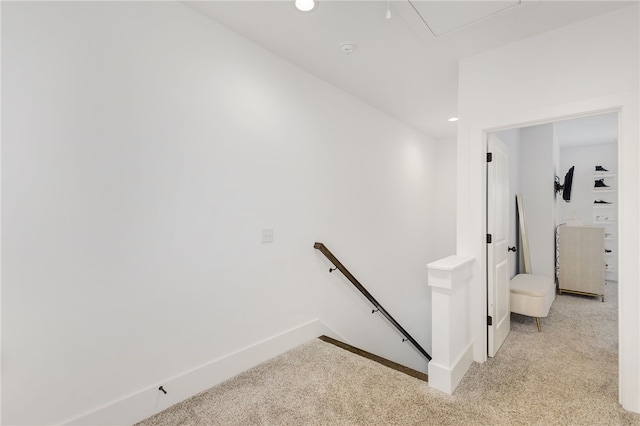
<point x="532" y="295"/>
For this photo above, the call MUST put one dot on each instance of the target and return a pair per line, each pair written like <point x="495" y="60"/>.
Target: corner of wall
<point x="147" y="402"/>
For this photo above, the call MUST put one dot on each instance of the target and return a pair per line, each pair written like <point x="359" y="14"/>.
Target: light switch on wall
<point x="267" y="235"/>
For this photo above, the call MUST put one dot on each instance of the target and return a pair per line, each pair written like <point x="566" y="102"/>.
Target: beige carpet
<point x="566" y="375"/>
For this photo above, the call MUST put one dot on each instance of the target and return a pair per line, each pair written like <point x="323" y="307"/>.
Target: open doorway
<point x="472" y="227"/>
<point x="566" y="172"/>
<point x="539" y="157"/>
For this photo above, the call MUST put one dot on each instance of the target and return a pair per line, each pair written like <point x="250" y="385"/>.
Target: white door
<point x="498" y="291"/>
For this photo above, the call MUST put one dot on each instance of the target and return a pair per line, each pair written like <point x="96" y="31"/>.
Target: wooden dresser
<point x="581" y="260"/>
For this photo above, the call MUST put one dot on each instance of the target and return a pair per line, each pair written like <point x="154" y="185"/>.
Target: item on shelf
<point x="601" y="169"/>
<point x="601" y="202"/>
<point x="599" y="183"/>
<point x="575" y="219"/>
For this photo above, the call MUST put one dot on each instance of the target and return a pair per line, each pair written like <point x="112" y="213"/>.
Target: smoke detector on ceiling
<point x="347" y="48"/>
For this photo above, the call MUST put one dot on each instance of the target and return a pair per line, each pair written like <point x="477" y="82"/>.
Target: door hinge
<point x="488" y="238"/>
<point x="489" y="157"/>
<point x="489" y="320"/>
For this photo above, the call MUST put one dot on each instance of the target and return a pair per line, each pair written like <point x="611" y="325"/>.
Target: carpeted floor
<point x="566" y="375"/>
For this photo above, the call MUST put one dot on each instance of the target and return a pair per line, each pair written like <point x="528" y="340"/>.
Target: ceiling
<point x="405" y="65"/>
<point x="592" y="130"/>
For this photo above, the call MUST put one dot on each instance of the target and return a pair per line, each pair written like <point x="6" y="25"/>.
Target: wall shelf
<point x="601" y="210"/>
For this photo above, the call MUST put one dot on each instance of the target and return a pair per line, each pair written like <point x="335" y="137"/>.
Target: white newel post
<point x="452" y="345"/>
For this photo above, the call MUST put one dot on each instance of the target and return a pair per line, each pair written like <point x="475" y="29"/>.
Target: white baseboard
<point x="143" y="404"/>
<point x="447" y="379"/>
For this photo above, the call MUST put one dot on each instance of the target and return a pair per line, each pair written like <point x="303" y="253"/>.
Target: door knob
<point x="513" y="249"/>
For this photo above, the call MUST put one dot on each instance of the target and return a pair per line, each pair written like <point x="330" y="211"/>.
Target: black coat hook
<point x="332" y="269"/>
<point x="161" y="388"/>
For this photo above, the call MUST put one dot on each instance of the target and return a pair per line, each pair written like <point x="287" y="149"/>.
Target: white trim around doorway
<point x="472" y="219"/>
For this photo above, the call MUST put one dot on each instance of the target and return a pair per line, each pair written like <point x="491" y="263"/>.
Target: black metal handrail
<point x="338" y="265"/>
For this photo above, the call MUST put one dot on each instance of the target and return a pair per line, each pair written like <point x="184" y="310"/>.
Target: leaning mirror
<point x="522" y="228"/>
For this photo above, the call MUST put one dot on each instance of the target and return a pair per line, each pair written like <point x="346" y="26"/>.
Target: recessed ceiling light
<point x="305" y="5"/>
<point x="453" y="119"/>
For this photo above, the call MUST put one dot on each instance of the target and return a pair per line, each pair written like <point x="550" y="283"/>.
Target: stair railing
<point x="377" y="307"/>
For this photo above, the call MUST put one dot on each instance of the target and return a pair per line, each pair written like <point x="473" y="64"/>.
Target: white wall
<point x="144" y="149"/>
<point x="568" y="72"/>
<point x="536" y="185"/>
<point x="557" y="199"/>
<point x="532" y="158"/>
<point x="445" y="201"/>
